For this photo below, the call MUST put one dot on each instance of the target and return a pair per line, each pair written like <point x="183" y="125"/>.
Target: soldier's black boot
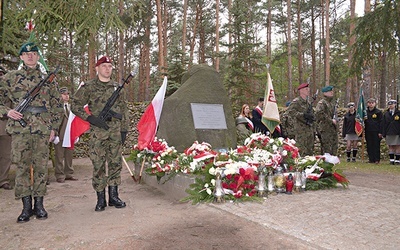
<point x="101" y="201"/>
<point x="114" y="200"/>
<point x="38" y="208"/>
<point x="27" y="211"/>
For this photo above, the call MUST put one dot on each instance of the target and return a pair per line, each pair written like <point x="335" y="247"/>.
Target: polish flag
<point x="148" y="123"/>
<point x="76" y="126"/>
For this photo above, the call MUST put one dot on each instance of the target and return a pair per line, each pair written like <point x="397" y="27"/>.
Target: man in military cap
<point x="63" y="163"/>
<point x="373" y="131"/>
<point x="300" y="117"/>
<point x="106" y="137"/>
<point x="326" y="122"/>
<point x="5" y="148"/>
<point x="30" y="144"/>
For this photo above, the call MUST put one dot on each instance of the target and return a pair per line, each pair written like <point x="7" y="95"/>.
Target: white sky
<point x="359" y="7"/>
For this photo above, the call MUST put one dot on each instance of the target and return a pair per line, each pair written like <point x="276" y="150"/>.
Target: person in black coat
<point x="349" y="132"/>
<point x="257" y="117"/>
<point x="373" y="131"/>
<point x="391" y="131"/>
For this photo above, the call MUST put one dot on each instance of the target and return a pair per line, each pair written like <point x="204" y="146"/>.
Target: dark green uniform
<point x="303" y="131"/>
<point x="30" y="144"/>
<point x="326" y="129"/>
<point x="105" y="145"/>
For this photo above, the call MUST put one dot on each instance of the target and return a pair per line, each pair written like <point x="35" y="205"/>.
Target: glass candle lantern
<point x="261" y="184"/>
<point x="270" y="181"/>
<point x="279" y="180"/>
<point x="218" y="191"/>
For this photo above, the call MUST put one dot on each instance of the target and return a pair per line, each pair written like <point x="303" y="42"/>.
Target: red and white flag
<point x="148" y="123"/>
<point x="76" y="126"/>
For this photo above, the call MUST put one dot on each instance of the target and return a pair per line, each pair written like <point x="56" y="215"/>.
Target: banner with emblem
<point x="361" y="114"/>
<point x="270" y="116"/>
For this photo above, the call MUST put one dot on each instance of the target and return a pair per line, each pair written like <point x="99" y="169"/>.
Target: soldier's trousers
<point x="30" y="153"/>
<point x="329" y="142"/>
<point x="105" y="147"/>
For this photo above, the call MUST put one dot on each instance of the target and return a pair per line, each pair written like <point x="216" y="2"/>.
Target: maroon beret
<point x="104" y="59"/>
<point x="302" y="86"/>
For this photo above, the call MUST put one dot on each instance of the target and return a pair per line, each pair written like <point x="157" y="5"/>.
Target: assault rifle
<point x="335" y="116"/>
<point x="309" y="113"/>
<point x="31" y="95"/>
<point x="107" y="113"/>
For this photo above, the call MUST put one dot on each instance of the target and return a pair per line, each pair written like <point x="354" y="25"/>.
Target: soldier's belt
<point x="36" y="109"/>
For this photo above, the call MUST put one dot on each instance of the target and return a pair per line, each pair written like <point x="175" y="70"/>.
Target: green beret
<point x="28" y="47"/>
<point x="327" y="89"/>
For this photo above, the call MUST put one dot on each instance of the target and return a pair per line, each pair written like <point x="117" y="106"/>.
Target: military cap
<point x="104" y="59"/>
<point x="28" y="47"/>
<point x="261" y="99"/>
<point x="390" y="102"/>
<point x="63" y="90"/>
<point x="303" y="85"/>
<point x="371" y="100"/>
<point x="327" y="89"/>
<point x="351" y="104"/>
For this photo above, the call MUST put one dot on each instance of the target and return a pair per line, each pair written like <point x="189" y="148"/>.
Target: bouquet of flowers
<point x="237" y="169"/>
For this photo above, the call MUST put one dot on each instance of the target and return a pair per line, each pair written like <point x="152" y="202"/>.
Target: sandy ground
<point x="151" y="220"/>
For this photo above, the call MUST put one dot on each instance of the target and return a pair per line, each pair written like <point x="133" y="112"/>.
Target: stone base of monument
<point x="174" y="187"/>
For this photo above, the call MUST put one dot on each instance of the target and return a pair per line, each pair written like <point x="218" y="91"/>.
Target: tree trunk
<point x="351" y="83"/>
<point x="269" y="32"/>
<point x="327" y="44"/>
<point x="313" y="55"/>
<point x="299" y="42"/>
<point x="193" y="41"/>
<point x="160" y="34"/>
<point x="289" y="49"/>
<point x="217" y="36"/>
<point x="184" y="30"/>
<point x="121" y="58"/>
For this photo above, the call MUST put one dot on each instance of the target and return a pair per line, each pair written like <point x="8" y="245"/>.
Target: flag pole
<point x="363" y="145"/>
<point x="141" y="169"/>
<point x="129" y="169"/>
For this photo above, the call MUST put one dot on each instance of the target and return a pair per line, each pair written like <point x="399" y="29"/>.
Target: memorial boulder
<point x="199" y="110"/>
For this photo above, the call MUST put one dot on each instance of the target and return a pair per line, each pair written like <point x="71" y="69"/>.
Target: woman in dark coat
<point x="391" y="131"/>
<point x="349" y="132"/>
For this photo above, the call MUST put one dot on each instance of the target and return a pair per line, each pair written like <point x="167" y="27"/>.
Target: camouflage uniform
<point x="325" y="128"/>
<point x="30" y="144"/>
<point x="104" y="145"/>
<point x="304" y="133"/>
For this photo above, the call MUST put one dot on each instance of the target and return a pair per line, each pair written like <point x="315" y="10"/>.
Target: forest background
<point x="323" y="42"/>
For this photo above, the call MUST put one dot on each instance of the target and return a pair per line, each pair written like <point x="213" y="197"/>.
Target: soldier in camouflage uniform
<point x="300" y="117"/>
<point x="106" y="137"/>
<point x="326" y="124"/>
<point x="30" y="144"/>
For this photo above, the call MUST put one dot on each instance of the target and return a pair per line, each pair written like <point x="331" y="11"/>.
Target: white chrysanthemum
<point x="274" y="147"/>
<point x="284" y="153"/>
<point x="162" y="162"/>
<point x="208" y="191"/>
<point x="212" y="171"/>
<point x="213" y="182"/>
<point x="206" y="185"/>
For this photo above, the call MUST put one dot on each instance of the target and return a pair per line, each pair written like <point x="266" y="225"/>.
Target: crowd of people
<point x="34" y="114"/>
<point x="26" y="135"/>
<point x="305" y="124"/>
